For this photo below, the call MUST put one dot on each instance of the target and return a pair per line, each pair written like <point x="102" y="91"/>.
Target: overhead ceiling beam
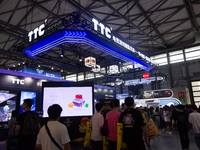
<point x="166" y="18"/>
<point x="191" y="15"/>
<point x="12" y="27"/>
<point x="180" y="34"/>
<point x="180" y="39"/>
<point x="45" y="10"/>
<point x="171" y="29"/>
<point x="109" y="15"/>
<point x="148" y="11"/>
<point x="9" y="19"/>
<point x="54" y="7"/>
<point x="128" y="21"/>
<point x="137" y="16"/>
<point x="150" y="21"/>
<point x="147" y="16"/>
<point x="20" y="8"/>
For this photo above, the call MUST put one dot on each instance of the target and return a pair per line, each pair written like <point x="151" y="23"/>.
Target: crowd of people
<point x="54" y="135"/>
<point x="183" y="118"/>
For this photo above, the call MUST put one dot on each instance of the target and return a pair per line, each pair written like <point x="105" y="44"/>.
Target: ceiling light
<point x="19" y="64"/>
<point x="13" y="65"/>
<point x="61" y="70"/>
<point x="62" y="54"/>
<point x="23" y="63"/>
<point x="80" y="59"/>
<point x="52" y="68"/>
<point x="39" y="66"/>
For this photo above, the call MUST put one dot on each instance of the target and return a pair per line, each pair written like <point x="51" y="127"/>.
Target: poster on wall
<point x="27" y="95"/>
<point x="8" y="100"/>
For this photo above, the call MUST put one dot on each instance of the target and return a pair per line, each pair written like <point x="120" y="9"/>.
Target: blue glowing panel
<point x="25" y="95"/>
<point x="42" y="72"/>
<point x="85" y="37"/>
<point x="169" y="102"/>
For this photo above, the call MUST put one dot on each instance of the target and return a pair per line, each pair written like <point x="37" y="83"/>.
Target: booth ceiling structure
<point x="149" y="26"/>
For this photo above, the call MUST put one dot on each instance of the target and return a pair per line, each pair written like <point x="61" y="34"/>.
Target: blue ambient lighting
<point x="61" y="37"/>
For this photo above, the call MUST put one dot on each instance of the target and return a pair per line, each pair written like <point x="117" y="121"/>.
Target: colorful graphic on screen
<point x="75" y="101"/>
<point x="25" y="95"/>
<point x="7" y="104"/>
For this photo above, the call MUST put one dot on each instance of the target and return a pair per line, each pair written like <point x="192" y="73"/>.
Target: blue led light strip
<point x="61" y="37"/>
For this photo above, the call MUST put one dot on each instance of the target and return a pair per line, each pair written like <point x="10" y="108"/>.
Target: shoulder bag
<point x="52" y="139"/>
<point x="104" y="129"/>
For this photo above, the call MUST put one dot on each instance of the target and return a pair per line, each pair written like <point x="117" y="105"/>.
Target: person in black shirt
<point x="182" y="126"/>
<point x="133" y="126"/>
<point x="174" y="111"/>
<point x="27" y="132"/>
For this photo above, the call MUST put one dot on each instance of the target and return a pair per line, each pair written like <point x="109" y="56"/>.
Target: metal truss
<point x="147" y="30"/>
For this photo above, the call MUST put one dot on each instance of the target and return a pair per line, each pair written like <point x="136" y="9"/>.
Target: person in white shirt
<point x="194" y="119"/>
<point x="97" y="121"/>
<point x="58" y="131"/>
<point x="167" y="120"/>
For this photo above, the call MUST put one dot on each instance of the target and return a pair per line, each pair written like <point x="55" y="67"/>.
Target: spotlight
<point x="23" y="63"/>
<point x="13" y="65"/>
<point x="52" y="68"/>
<point x="39" y="66"/>
<point x="61" y="70"/>
<point x="80" y="59"/>
<point x="19" y="64"/>
<point x="62" y="53"/>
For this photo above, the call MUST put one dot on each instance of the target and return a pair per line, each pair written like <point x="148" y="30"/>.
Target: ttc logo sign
<point x="18" y="81"/>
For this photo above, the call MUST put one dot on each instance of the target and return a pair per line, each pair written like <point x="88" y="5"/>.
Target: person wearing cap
<point x="26" y="141"/>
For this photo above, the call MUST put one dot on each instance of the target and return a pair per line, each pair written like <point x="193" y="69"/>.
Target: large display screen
<point x="75" y="101"/>
<point x="25" y="95"/>
<point x="7" y="104"/>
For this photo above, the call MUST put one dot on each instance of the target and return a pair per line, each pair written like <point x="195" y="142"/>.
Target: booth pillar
<point x="188" y="79"/>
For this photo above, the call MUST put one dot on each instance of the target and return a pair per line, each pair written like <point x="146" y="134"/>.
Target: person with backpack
<point x="53" y="135"/>
<point x="27" y="124"/>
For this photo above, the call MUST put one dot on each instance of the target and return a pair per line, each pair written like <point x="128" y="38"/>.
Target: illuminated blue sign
<point x="88" y="38"/>
<point x="108" y="33"/>
<point x="42" y="72"/>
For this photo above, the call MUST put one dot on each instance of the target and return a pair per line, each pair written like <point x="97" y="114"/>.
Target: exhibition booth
<point x="76" y="98"/>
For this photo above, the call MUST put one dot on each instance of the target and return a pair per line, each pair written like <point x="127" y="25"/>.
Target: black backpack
<point x="31" y="124"/>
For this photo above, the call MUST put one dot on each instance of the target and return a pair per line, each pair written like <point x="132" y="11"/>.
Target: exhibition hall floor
<point x="162" y="142"/>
